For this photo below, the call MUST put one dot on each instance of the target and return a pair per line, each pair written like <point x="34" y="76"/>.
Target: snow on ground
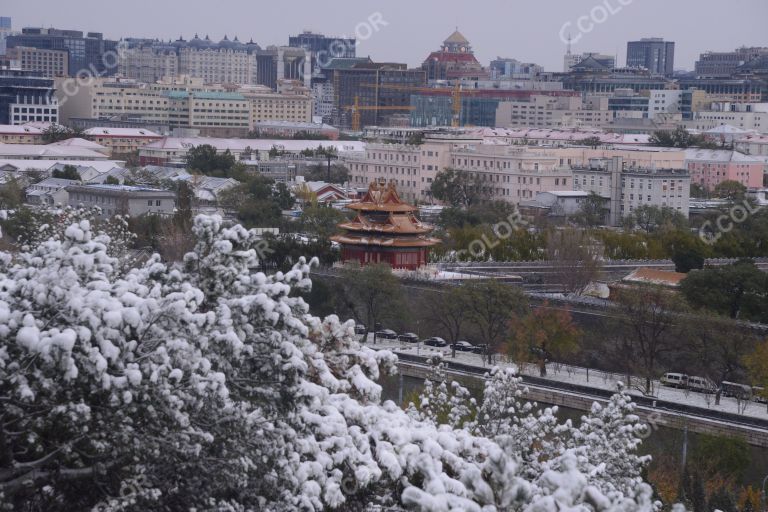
<point x="587" y="377"/>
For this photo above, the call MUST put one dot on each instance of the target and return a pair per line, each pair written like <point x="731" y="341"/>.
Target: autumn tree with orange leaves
<point x="544" y="334"/>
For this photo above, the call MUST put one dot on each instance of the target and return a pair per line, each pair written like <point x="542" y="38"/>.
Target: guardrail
<point x="603" y="394"/>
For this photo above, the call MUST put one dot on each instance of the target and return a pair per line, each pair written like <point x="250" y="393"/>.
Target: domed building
<point x="385" y="230"/>
<point x="454" y="60"/>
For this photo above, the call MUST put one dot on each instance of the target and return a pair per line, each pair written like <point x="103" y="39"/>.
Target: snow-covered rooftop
<point x="719" y="155"/>
<point x="48" y="152"/>
<point x="239" y="145"/>
<point x="122" y="132"/>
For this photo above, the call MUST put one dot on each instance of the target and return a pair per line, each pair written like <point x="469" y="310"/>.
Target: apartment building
<point x="20" y="134"/>
<point x="214" y="114"/>
<point x="412" y="167"/>
<point x="123" y="199"/>
<point x="87" y="53"/>
<point x="122" y="140"/>
<point x="745" y="120"/>
<point x="226" y="61"/>
<point x="508" y="173"/>
<point x="710" y="167"/>
<point x="27" y="97"/>
<point x="512" y="174"/>
<point x="295" y="105"/>
<point x="149" y="62"/>
<point x="554" y="112"/>
<point x="49" y="63"/>
<point x="627" y="187"/>
<point x="184" y="102"/>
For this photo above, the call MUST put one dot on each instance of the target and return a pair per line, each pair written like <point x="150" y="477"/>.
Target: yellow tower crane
<point x="457" y="93"/>
<point x="357" y="109"/>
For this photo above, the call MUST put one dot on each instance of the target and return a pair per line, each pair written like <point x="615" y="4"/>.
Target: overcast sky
<point x="528" y="30"/>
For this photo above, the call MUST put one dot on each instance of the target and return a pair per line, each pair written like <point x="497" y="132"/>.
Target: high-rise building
<point x="278" y="63"/>
<point x="5" y="30"/>
<point x="725" y="64"/>
<point x="49" y="63"/>
<point x="27" y="97"/>
<point x="653" y="54"/>
<point x="89" y="53"/>
<point x="383" y="90"/>
<point x="323" y="48"/>
<point x="227" y="61"/>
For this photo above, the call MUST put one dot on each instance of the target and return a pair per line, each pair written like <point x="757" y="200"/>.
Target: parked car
<point x="758" y="394"/>
<point x="408" y="337"/>
<point x="701" y="384"/>
<point x="436" y="341"/>
<point x="463" y="346"/>
<point x="387" y="334"/>
<point x="675" y="380"/>
<point x="741" y="391"/>
<point x="360" y="329"/>
<point x="481" y="348"/>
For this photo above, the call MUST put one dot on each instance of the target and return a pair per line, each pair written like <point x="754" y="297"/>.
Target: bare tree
<point x="449" y="311"/>
<point x="574" y="258"/>
<point x="491" y="307"/>
<point x="649" y="318"/>
<point x="373" y="294"/>
<point x="718" y="346"/>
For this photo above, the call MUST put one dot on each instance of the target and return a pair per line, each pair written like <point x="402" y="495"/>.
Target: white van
<point x="701" y="384"/>
<point x="675" y="380"/>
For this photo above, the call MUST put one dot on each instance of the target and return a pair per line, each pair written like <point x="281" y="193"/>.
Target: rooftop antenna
<point x="569" y="44"/>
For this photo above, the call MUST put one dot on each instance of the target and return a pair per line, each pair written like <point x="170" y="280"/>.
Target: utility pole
<point x="685" y="446"/>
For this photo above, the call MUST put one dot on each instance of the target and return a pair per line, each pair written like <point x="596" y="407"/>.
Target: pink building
<point x="710" y="167"/>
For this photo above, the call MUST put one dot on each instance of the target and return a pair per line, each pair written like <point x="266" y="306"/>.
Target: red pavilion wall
<point x="409" y="259"/>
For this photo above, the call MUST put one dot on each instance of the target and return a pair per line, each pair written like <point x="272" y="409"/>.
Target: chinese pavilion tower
<point x="385" y="230"/>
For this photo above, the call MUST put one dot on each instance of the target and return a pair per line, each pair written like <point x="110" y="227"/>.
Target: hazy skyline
<point x="527" y="30"/>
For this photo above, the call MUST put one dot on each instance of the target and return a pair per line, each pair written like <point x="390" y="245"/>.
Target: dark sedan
<point x="436" y="341"/>
<point x="463" y="346"/>
<point x="387" y="334"/>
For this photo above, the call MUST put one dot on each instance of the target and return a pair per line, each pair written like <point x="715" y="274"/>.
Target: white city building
<point x="627" y="187"/>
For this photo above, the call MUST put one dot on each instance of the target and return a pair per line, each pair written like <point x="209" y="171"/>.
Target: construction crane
<point x="357" y="109"/>
<point x="456" y="95"/>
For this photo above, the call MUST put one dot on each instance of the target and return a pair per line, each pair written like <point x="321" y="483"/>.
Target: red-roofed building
<point x="385" y="230"/>
<point x="454" y="60"/>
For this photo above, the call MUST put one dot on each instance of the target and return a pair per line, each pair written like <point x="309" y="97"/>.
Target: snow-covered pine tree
<point x="535" y="435"/>
<point x="208" y="385"/>
<point x="606" y="443"/>
<point x="442" y="402"/>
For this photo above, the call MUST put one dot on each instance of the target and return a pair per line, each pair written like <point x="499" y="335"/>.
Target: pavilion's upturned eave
<point x="359" y="227"/>
<point x="386" y="242"/>
<point x="382" y="207"/>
